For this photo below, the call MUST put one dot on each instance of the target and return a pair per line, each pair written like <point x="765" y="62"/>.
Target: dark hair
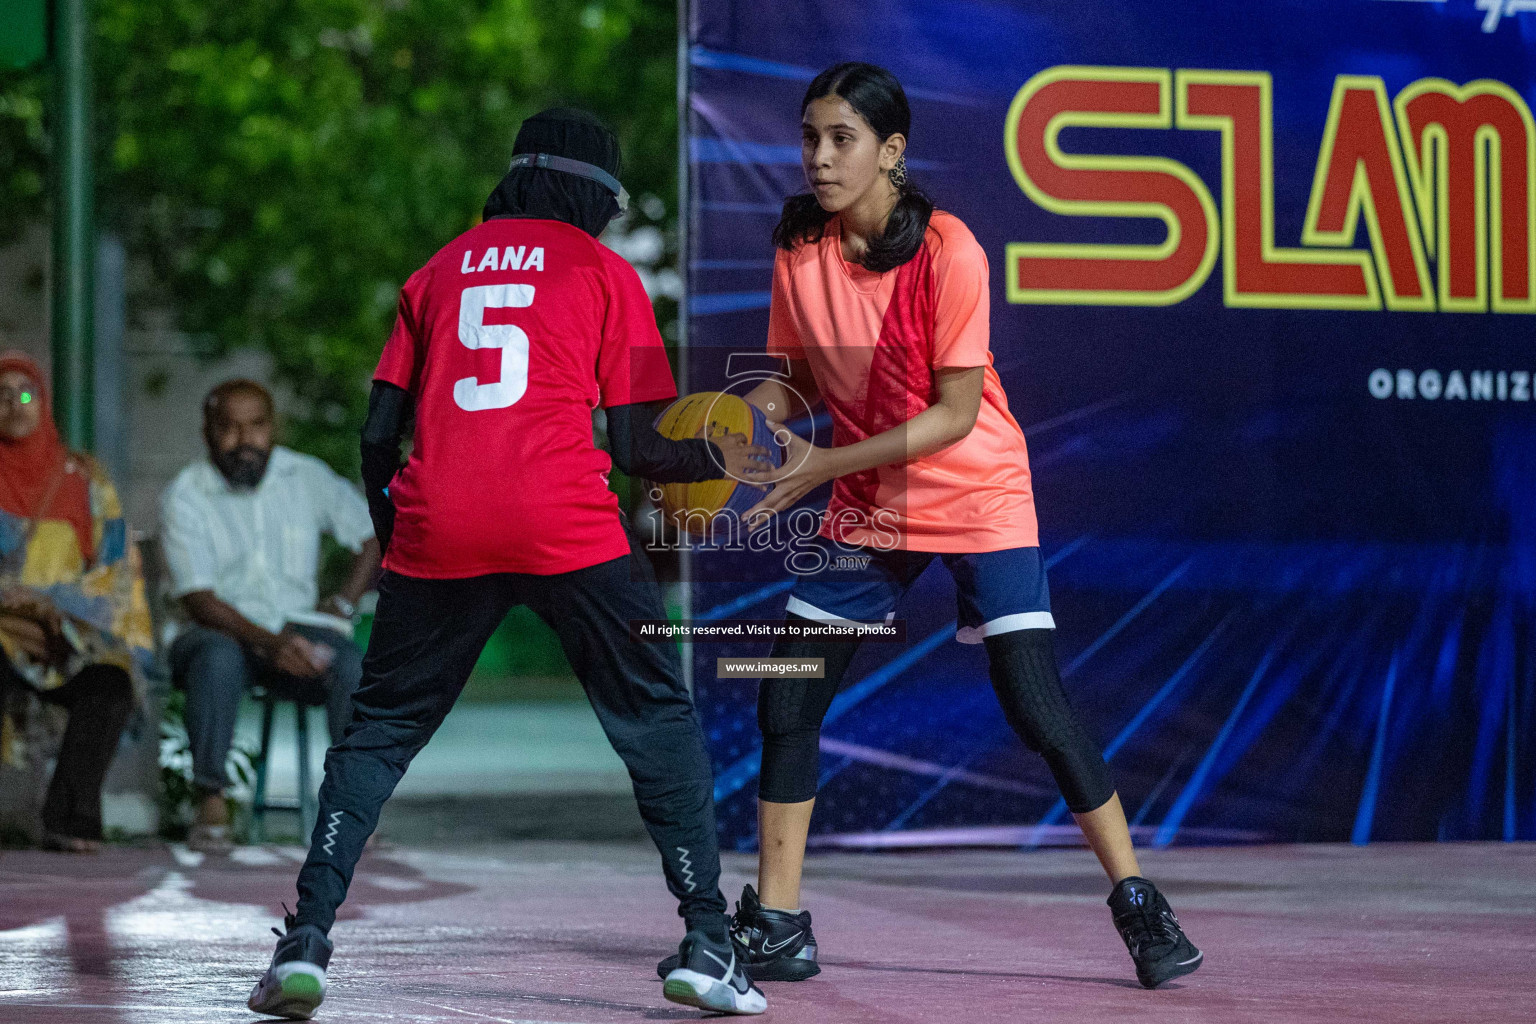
<point x="879" y="99"/>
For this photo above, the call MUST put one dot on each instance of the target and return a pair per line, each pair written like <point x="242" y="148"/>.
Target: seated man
<point x="241" y="535"/>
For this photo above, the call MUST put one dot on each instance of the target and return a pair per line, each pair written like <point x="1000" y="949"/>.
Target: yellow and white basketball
<point x="693" y="507"/>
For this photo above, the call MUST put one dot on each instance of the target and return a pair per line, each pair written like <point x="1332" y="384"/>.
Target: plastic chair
<point x="306" y="804"/>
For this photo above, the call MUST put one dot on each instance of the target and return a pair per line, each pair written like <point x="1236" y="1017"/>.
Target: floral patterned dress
<point x="104" y="614"/>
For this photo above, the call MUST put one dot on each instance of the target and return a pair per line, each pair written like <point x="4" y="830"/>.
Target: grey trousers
<point x="215" y="670"/>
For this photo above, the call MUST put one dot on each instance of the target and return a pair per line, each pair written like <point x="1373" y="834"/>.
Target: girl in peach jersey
<point x="880" y="303"/>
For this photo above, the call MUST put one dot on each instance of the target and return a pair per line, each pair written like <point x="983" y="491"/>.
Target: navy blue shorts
<point x="999" y="591"/>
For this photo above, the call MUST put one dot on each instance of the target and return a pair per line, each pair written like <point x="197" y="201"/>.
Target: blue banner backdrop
<point x="1262" y="298"/>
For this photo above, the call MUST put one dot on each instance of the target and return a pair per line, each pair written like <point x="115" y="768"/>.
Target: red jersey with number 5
<point x="507" y="339"/>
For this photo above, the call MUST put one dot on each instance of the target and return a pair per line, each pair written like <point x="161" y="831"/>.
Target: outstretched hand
<point x="806" y="467"/>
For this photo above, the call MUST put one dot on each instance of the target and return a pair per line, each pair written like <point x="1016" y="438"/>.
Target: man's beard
<point x="243" y="466"/>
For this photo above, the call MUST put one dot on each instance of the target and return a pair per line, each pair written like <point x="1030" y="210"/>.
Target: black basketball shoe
<point x="1151" y="932"/>
<point x="775" y="945"/>
<point x="710" y="975"/>
<point x="294" y="985"/>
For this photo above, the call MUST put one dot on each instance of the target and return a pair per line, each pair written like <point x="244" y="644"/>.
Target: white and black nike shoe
<point x="775" y="945"/>
<point x="1157" y="944"/>
<point x="294" y="986"/>
<point x="709" y="975"/>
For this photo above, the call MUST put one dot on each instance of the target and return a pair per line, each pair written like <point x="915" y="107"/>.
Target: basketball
<point x="693" y="507"/>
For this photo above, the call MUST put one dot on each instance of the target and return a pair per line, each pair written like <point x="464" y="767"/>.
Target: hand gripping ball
<point x="694" y="507"/>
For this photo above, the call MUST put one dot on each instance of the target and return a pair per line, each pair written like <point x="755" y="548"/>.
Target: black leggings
<point x="426" y="638"/>
<point x="1023" y="670"/>
<point x="99" y="699"/>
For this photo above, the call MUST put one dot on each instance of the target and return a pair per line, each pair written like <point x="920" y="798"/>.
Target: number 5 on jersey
<point x="469" y="393"/>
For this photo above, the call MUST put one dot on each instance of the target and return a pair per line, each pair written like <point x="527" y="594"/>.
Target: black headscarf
<point x="556" y="195"/>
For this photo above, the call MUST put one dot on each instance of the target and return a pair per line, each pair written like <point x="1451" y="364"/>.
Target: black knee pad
<point x="789" y="714"/>
<point x="1023" y="670"/>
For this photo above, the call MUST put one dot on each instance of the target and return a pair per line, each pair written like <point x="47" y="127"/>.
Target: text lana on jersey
<point x="510" y="258"/>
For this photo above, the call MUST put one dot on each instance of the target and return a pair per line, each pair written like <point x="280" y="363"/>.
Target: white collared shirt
<point x="259" y="550"/>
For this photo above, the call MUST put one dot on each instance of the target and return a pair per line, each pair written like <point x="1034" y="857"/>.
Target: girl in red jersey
<point x="881" y="304"/>
<point x="505" y="342"/>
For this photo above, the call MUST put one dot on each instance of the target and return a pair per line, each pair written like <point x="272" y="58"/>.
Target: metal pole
<point x="684" y="210"/>
<point x="684" y="224"/>
<point x="107" y="400"/>
<point x="74" y="229"/>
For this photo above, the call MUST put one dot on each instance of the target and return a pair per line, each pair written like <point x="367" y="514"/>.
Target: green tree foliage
<point x="280" y="167"/>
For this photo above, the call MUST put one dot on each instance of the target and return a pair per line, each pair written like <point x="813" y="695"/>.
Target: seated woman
<point x="74" y="623"/>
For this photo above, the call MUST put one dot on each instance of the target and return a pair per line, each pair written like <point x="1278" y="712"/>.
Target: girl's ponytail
<point x="904" y="231"/>
<point x="802" y="221"/>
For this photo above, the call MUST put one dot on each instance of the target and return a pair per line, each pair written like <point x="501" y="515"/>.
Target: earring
<point x="899" y="172"/>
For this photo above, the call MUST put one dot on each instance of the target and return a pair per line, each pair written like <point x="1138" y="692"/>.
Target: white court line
<point x="394" y="884"/>
<point x="243" y="1013"/>
<point x="185" y="857"/>
<point x="255" y="857"/>
<point x="149" y="1007"/>
<point x="484" y="1016"/>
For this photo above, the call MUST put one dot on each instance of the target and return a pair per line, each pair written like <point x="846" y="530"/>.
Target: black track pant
<point x="427" y="636"/>
<point x="1023" y="671"/>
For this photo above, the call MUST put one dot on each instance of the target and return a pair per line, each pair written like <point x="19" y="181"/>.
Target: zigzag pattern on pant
<point x="687" y="867"/>
<point x="330" y="835"/>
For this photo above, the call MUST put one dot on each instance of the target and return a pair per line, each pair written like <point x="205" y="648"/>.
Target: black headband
<point x="578" y="167"/>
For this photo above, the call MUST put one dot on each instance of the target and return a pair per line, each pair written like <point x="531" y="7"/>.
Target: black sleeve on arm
<point x="389" y="415"/>
<point x="638" y="450"/>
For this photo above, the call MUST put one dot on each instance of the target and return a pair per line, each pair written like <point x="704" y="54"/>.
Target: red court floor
<point x="547" y="932"/>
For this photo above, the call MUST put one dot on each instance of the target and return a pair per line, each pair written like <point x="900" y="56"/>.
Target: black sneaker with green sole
<point x="709" y="975"/>
<point x="294" y="986"/>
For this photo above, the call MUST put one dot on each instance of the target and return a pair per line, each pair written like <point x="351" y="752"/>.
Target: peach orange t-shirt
<point x="874" y="342"/>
